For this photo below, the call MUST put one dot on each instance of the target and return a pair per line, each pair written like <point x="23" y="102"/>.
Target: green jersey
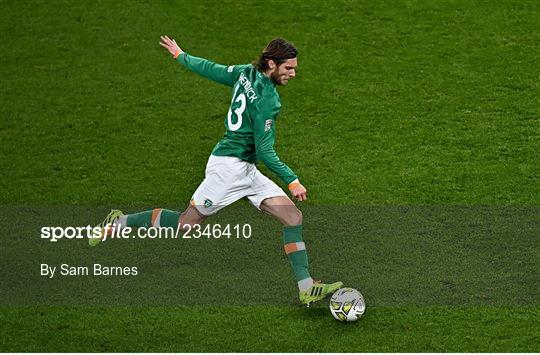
<point x="250" y="124"/>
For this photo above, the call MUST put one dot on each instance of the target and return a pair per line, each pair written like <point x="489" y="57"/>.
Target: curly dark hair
<point x="279" y="50"/>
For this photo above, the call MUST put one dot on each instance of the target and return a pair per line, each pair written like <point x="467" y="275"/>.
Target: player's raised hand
<point x="171" y="46"/>
<point x="298" y="191"/>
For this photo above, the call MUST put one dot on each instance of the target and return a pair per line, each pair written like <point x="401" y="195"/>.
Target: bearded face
<point x="281" y="74"/>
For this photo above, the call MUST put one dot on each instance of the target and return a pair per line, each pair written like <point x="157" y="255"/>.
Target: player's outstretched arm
<point x="216" y="72"/>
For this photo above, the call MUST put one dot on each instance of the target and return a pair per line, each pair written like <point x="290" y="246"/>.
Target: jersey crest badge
<point x="267" y="125"/>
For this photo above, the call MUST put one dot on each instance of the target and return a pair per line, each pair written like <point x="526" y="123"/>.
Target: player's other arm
<point x="264" y="131"/>
<point x="216" y="72"/>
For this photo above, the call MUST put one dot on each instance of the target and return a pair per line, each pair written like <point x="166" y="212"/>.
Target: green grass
<point x="419" y="102"/>
<point x="268" y="329"/>
<point x="433" y="104"/>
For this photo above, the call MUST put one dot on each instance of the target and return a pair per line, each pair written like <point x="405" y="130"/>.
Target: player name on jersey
<point x="248" y="88"/>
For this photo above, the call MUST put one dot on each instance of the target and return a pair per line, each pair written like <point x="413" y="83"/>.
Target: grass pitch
<point x="269" y="329"/>
<point x="397" y="103"/>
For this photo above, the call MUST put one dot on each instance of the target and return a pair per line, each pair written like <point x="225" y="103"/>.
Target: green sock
<point x="157" y="217"/>
<point x="296" y="252"/>
<point x="141" y="219"/>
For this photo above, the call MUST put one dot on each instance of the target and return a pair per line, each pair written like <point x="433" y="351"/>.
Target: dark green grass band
<point x="397" y="256"/>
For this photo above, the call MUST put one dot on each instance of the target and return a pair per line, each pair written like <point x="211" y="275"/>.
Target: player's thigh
<point x="270" y="198"/>
<point x="282" y="208"/>
<point x="263" y="188"/>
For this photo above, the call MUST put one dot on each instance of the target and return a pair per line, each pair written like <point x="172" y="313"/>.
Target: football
<point x="347" y="305"/>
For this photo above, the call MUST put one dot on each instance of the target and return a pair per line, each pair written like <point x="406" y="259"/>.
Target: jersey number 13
<point x="237" y="111"/>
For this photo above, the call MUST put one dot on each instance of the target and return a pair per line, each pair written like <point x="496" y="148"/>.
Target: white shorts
<point x="228" y="179"/>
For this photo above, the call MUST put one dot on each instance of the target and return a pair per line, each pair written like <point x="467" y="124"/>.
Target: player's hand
<point x="298" y="191"/>
<point x="171" y="46"/>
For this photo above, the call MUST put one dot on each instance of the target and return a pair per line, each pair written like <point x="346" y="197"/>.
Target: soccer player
<point x="231" y="173"/>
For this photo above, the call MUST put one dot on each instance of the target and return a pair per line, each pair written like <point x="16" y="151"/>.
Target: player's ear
<point x="271" y="64"/>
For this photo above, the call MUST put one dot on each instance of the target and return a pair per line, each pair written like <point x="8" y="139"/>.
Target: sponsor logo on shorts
<point x="208" y="203"/>
<point x="267" y="125"/>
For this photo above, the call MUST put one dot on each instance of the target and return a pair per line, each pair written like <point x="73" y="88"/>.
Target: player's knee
<point x="295" y="217"/>
<point x="190" y="218"/>
<point x="188" y="223"/>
